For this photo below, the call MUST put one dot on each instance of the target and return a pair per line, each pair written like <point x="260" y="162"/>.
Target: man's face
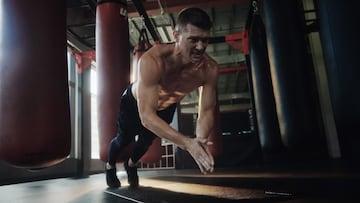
<point x="192" y="42"/>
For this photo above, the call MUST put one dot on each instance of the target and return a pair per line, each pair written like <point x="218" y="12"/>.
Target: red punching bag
<point x="113" y="66"/>
<point x="34" y="99"/>
<point x="154" y="152"/>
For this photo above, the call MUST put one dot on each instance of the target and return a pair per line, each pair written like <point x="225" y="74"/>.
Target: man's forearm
<point x="204" y="126"/>
<point x="165" y="131"/>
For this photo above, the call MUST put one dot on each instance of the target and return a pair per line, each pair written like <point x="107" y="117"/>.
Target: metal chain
<point x="255" y="7"/>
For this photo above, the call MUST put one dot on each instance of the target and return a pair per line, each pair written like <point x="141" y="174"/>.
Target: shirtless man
<point x="166" y="74"/>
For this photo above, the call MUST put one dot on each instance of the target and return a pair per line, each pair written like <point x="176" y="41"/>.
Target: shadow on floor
<point x="155" y="195"/>
<point x="318" y="188"/>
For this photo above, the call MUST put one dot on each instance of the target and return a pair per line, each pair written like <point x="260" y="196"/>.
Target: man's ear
<point x="176" y="35"/>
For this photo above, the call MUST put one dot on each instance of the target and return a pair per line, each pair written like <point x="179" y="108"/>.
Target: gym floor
<point x="186" y="186"/>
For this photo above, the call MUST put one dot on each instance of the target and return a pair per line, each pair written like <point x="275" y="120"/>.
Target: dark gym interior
<point x="288" y="108"/>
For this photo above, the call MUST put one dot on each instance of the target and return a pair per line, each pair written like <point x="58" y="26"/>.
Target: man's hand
<point x="199" y="150"/>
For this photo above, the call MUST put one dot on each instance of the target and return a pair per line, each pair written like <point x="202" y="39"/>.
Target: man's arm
<point x="147" y="92"/>
<point x="150" y="71"/>
<point x="207" y="105"/>
<point x="207" y="101"/>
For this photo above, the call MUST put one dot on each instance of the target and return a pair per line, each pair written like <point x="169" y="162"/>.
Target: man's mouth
<point x="197" y="54"/>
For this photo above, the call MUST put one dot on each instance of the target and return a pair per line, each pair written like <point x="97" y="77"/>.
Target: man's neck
<point x="183" y="63"/>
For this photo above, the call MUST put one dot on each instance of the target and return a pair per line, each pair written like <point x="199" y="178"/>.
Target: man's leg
<point x="140" y="148"/>
<point x="146" y="138"/>
<point x="123" y="137"/>
<point x="116" y="146"/>
<point x="110" y="167"/>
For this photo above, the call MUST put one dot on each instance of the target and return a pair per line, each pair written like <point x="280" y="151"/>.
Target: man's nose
<point x="201" y="45"/>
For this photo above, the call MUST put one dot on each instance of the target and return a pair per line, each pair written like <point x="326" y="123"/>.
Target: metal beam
<point x="229" y="59"/>
<point x="142" y="12"/>
<point x="174" y="6"/>
<point x="232" y="69"/>
<point x="92" y="5"/>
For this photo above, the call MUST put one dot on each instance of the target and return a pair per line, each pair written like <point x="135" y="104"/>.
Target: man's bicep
<point x="147" y="98"/>
<point x="208" y="91"/>
<point x="148" y="84"/>
<point x="208" y="97"/>
<point x="149" y="70"/>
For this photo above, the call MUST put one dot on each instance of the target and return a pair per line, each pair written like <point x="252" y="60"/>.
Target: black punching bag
<point x="267" y="120"/>
<point x="34" y="94"/>
<point x="292" y="80"/>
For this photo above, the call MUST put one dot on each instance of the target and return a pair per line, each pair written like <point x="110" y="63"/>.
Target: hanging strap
<point x="143" y="37"/>
<point x="254" y="14"/>
<point x="254" y="10"/>
<point x="143" y="43"/>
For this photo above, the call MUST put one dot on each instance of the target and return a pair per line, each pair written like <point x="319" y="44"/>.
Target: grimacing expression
<point x="193" y="42"/>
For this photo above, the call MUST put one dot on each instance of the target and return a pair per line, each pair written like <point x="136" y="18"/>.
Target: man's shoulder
<point x="210" y="63"/>
<point x="158" y="54"/>
<point x="211" y="69"/>
<point x="210" y="60"/>
<point x="160" y="50"/>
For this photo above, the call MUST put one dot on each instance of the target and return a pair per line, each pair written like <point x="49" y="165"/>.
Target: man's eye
<point x="205" y="40"/>
<point x="194" y="40"/>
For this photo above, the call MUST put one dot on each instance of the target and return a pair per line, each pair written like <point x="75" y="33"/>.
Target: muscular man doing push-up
<point x="166" y="74"/>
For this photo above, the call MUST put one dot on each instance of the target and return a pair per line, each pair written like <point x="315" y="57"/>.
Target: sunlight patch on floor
<point x="199" y="189"/>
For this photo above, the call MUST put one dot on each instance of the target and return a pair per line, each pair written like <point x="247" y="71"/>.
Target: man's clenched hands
<point x="199" y="150"/>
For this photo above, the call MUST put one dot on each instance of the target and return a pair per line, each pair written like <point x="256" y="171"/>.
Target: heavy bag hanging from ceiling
<point x="113" y="66"/>
<point x="154" y="152"/>
<point x="264" y="100"/>
<point x="293" y="82"/>
<point x="34" y="99"/>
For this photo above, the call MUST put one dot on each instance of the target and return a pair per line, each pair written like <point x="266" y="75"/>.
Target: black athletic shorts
<point x="129" y="123"/>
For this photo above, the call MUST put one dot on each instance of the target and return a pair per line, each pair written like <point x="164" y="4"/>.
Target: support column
<point x="340" y="41"/>
<point x="34" y="94"/>
<point x="113" y="66"/>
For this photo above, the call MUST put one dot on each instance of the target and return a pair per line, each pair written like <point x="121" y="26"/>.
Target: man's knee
<point x="145" y="140"/>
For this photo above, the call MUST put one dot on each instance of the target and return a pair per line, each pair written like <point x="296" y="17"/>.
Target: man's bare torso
<point x="177" y="80"/>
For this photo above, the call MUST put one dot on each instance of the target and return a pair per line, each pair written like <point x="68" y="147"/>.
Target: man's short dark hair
<point x="193" y="16"/>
